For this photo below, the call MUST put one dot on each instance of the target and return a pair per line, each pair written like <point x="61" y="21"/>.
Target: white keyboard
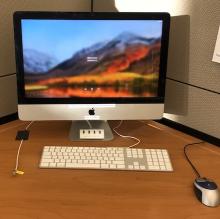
<point x="106" y="158"/>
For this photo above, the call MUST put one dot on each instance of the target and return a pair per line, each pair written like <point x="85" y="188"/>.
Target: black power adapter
<point x="22" y="135"/>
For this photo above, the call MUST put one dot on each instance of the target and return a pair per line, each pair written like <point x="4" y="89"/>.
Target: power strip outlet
<point x="91" y="134"/>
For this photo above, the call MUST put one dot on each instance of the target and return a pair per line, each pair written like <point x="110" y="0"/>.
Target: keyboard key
<point x="52" y="164"/>
<point x="81" y="165"/>
<point x="154" y="167"/>
<point x="47" y="160"/>
<point x="44" y="164"/>
<point x="162" y="167"/>
<point x="118" y="162"/>
<point x="130" y="167"/>
<point x="46" y="153"/>
<point x="112" y="166"/>
<point x="47" y="156"/>
<point x="60" y="165"/>
<point x="105" y="166"/>
<point x="142" y="167"/>
<point x="121" y="166"/>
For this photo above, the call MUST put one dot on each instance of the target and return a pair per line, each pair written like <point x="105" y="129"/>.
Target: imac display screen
<point x="91" y="58"/>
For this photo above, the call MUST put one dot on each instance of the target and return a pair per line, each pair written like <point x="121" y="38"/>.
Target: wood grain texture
<point x="82" y="194"/>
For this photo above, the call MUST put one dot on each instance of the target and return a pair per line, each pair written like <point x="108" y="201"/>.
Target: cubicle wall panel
<point x="193" y="107"/>
<point x="192" y="43"/>
<point x="8" y="95"/>
<point x="100" y="6"/>
<point x="205" y="22"/>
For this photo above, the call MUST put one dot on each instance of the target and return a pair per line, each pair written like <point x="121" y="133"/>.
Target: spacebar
<point x="79" y="165"/>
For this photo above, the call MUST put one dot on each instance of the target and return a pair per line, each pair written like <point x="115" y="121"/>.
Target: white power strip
<point x="91" y="134"/>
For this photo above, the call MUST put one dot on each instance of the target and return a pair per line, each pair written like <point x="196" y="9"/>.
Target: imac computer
<point x="94" y="67"/>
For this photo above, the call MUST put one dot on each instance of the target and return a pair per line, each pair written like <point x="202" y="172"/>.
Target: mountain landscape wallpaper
<point x="95" y="59"/>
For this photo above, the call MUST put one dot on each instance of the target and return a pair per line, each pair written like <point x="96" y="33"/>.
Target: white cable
<point x="29" y="125"/>
<point x="126" y="136"/>
<point x="19" y="149"/>
<point x="17" y="157"/>
<point x="89" y="123"/>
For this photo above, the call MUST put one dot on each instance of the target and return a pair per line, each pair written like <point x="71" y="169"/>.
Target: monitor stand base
<point x="92" y="124"/>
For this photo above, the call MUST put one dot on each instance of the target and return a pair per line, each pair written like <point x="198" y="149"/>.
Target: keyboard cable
<point x="16" y="171"/>
<point x="126" y="136"/>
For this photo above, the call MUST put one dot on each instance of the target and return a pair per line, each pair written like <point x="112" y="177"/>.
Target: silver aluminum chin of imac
<point x="96" y="114"/>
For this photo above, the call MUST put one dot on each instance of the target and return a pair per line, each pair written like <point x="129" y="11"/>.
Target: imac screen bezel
<point x="22" y="99"/>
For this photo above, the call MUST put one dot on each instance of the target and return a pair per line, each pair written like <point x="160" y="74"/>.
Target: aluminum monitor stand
<point x="76" y="126"/>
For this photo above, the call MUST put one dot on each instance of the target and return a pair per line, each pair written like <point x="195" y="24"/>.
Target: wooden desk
<point x="80" y="194"/>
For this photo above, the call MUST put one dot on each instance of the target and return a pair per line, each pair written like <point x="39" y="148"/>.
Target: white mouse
<point x="207" y="192"/>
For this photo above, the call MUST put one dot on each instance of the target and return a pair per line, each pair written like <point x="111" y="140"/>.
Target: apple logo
<point x="92" y="112"/>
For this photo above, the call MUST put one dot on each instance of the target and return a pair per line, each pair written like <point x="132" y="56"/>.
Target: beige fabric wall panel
<point x="8" y="95"/>
<point x="104" y="5"/>
<point x="193" y="107"/>
<point x="7" y="7"/>
<point x="203" y="26"/>
<point x="178" y="56"/>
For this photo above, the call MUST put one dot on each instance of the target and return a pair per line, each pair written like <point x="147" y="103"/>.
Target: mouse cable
<point x="16" y="171"/>
<point x="190" y="162"/>
<point x="126" y="136"/>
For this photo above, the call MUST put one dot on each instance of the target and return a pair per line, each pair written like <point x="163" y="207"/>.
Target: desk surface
<point x="63" y="193"/>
